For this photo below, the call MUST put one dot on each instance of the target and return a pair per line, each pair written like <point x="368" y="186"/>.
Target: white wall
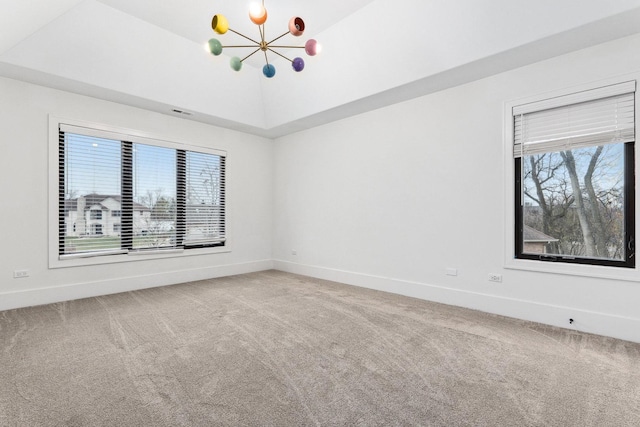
<point x="24" y="111"/>
<point x="388" y="199"/>
<point x="446" y="42"/>
<point x="391" y="198"/>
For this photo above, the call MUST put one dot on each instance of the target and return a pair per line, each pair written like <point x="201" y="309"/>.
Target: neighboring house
<point x="100" y="215"/>
<point x="535" y="242"/>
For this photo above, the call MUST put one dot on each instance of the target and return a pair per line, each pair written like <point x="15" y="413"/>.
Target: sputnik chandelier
<point x="258" y="15"/>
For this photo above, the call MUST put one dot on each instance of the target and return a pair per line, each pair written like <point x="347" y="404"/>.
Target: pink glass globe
<point x="296" y="26"/>
<point x="311" y="47"/>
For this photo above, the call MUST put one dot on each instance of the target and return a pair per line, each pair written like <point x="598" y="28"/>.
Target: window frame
<point x="510" y="187"/>
<point x="57" y="261"/>
<point x="629" y="220"/>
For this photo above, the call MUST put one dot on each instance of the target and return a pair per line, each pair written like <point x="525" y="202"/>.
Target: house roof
<point x="531" y="235"/>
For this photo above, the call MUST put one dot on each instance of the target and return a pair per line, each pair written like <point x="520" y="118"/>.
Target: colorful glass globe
<point x="219" y="24"/>
<point x="236" y="63"/>
<point x="311" y="47"/>
<point x="257" y="13"/>
<point x="269" y="71"/>
<point x="215" y="47"/>
<point x="298" y="64"/>
<point x="296" y="26"/>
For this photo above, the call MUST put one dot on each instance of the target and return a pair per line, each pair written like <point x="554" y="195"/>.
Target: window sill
<point x="582" y="270"/>
<point x="81" y="261"/>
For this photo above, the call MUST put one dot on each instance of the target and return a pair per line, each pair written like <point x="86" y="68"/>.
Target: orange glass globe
<point x="257" y="14"/>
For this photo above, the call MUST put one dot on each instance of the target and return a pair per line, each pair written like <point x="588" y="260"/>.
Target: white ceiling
<point x="150" y="54"/>
<point x="193" y="21"/>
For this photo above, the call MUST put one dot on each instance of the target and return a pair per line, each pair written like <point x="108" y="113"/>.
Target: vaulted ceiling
<point x="150" y="54"/>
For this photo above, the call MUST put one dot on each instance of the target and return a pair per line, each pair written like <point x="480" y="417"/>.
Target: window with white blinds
<point x="575" y="177"/>
<point x="90" y="182"/>
<point x="154" y="196"/>
<point x="205" y="194"/>
<point x="120" y="194"/>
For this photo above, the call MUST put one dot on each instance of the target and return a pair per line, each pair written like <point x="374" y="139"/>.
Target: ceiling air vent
<point x="186" y="113"/>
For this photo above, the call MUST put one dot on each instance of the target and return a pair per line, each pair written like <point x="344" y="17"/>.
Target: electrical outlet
<point x="294" y="252"/>
<point x="495" y="277"/>
<point x="452" y="271"/>
<point x="19" y="274"/>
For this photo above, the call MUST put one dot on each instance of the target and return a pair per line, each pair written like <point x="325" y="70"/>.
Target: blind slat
<point x="590" y="122"/>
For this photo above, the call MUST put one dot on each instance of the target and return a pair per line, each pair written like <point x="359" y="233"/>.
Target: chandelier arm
<point x="279" y="54"/>
<point x="265" y="57"/>
<point x="242" y="35"/>
<point x="279" y="37"/>
<point x="251" y="54"/>
<point x="287" y="47"/>
<point x="243" y="45"/>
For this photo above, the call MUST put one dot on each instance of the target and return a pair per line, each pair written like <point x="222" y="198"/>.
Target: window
<point x="150" y="188"/>
<point x="155" y="194"/>
<point x="96" y="229"/>
<point x="205" y="198"/>
<point x="574" y="178"/>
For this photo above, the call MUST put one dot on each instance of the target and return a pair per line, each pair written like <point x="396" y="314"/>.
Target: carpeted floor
<point x="276" y="349"/>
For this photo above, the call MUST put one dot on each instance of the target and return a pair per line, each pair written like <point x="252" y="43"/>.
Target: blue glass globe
<point x="269" y="71"/>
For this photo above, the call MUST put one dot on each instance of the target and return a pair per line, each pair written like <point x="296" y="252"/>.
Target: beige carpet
<point x="276" y="349"/>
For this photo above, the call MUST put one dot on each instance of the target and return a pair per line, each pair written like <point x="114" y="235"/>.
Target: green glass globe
<point x="215" y="47"/>
<point x="236" y="63"/>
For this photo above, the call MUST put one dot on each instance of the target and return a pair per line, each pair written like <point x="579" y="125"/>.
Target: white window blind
<point x="205" y="199"/>
<point x="154" y="197"/>
<point x="119" y="196"/>
<point x="90" y="183"/>
<point x="590" y="118"/>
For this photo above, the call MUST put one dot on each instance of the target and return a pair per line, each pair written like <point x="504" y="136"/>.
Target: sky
<point x="93" y="165"/>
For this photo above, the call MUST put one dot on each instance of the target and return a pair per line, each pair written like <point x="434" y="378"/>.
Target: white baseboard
<point x="585" y="321"/>
<point x="39" y="296"/>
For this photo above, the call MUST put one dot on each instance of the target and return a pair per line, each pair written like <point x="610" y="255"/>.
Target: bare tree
<point x="204" y="188"/>
<point x="158" y="225"/>
<point x="585" y="225"/>
<point x="576" y="197"/>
